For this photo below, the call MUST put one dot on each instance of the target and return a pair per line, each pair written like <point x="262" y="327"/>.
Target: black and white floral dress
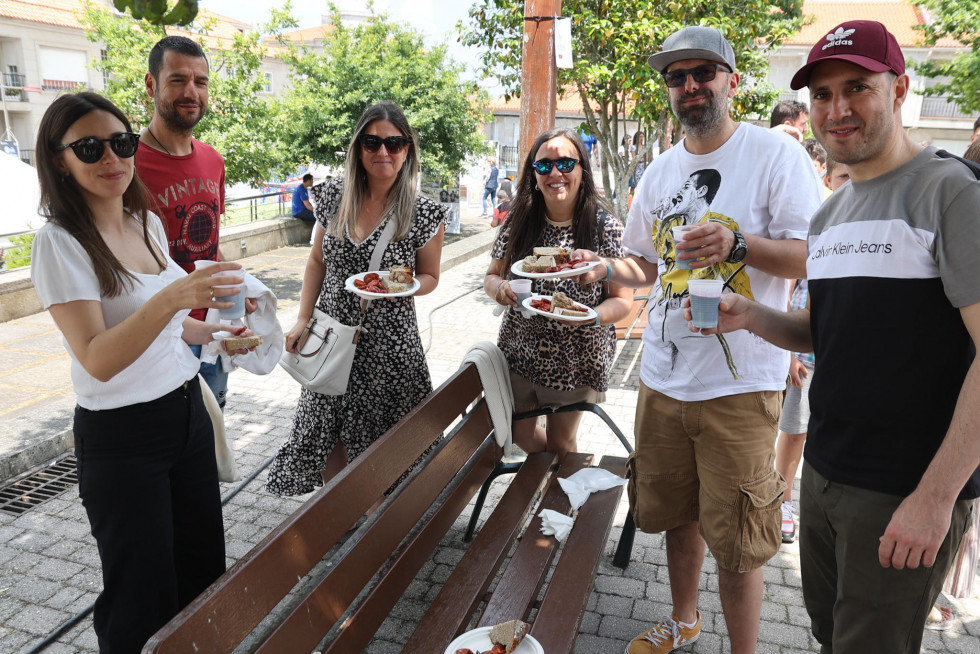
<point x="389" y="375"/>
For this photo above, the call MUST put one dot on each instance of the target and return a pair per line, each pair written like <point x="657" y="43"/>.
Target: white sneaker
<point x="788" y="527"/>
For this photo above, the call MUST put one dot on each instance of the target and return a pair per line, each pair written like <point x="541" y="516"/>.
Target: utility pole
<point x="539" y="76"/>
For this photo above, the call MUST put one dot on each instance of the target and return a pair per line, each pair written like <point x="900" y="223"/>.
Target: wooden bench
<point x="362" y="566"/>
<point x="633" y="324"/>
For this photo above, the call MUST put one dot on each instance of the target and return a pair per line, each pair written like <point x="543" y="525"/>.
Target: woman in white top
<point x="143" y="439"/>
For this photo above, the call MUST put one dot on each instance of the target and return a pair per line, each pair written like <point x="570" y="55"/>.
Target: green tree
<point x="242" y="123"/>
<point x="611" y="41"/>
<point x="381" y="60"/>
<point x="159" y="12"/>
<point x="959" y="20"/>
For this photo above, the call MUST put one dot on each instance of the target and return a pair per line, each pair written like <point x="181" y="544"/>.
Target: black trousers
<point x="149" y="483"/>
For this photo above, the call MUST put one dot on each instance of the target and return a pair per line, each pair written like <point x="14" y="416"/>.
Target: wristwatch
<point x="739" y="249"/>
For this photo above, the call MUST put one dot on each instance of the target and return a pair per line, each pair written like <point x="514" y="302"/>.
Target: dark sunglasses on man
<point x="90" y="150"/>
<point x="563" y="164"/>
<point x="678" y="77"/>
<point x="393" y="144"/>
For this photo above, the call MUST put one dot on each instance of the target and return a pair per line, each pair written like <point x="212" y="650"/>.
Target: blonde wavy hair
<point x="401" y="197"/>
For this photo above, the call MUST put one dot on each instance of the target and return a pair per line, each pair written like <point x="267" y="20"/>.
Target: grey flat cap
<point x="694" y="42"/>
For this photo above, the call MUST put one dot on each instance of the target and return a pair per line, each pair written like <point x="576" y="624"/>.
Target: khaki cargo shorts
<point x="710" y="462"/>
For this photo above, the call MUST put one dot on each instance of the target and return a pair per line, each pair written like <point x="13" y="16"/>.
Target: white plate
<point x="478" y="640"/>
<point x="349" y="285"/>
<point x="547" y="314"/>
<point x="574" y="272"/>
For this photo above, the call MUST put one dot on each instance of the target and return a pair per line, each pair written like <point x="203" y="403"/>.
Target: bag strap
<point x="974" y="167"/>
<point x="379" y="250"/>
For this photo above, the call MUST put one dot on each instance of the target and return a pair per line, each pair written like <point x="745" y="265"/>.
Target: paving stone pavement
<point x="50" y="567"/>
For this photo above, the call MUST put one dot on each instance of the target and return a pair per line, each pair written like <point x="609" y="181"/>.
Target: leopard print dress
<point x="549" y="352"/>
<point x="389" y="353"/>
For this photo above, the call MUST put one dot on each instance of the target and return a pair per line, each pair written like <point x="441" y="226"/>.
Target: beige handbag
<point x="227" y="470"/>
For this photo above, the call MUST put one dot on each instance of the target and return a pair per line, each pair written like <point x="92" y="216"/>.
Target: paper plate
<point x="478" y="640"/>
<point x="547" y="314"/>
<point x="349" y="285"/>
<point x="574" y="272"/>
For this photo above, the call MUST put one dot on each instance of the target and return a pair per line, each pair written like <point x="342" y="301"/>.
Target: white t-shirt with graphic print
<point x="759" y="182"/>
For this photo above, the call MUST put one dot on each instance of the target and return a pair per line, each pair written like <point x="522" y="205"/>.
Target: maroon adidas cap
<point x="865" y="43"/>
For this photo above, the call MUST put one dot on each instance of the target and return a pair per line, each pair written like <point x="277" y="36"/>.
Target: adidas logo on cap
<point x="838" y="38"/>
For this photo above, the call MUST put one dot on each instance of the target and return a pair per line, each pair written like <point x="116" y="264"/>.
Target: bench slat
<point x="521" y="581"/>
<point x="450" y="612"/>
<point x="316" y="614"/>
<point x="557" y="621"/>
<point x="224" y="614"/>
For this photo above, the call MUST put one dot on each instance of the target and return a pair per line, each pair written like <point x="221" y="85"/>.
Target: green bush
<point x="20" y="255"/>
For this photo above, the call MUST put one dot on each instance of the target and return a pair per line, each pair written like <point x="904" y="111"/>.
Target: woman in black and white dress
<point x="389" y="376"/>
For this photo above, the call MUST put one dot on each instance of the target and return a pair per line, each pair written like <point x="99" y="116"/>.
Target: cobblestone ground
<point x="50" y="568"/>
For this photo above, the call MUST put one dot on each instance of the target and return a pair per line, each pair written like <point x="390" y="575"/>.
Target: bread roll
<point x="509" y="634"/>
<point x="242" y="342"/>
<point x="560" y="255"/>
<point x="393" y="286"/>
<point x="402" y="274"/>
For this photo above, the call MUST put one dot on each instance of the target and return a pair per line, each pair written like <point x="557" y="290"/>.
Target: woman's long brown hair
<point x="61" y="197"/>
<point x="526" y="220"/>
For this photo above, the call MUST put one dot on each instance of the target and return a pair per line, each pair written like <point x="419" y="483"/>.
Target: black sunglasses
<point x="393" y="144"/>
<point x="705" y="73"/>
<point x="90" y="149"/>
<point x="564" y="165"/>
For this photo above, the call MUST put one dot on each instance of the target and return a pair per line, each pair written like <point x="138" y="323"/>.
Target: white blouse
<point x="63" y="272"/>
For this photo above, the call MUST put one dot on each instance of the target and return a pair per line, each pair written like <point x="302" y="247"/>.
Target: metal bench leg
<point x="625" y="548"/>
<point x="499" y="469"/>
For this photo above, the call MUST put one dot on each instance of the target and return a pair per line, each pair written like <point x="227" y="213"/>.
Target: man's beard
<point x="176" y="121"/>
<point x="700" y="119"/>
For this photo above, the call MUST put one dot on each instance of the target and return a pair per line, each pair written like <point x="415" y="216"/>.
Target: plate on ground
<point x="349" y="285"/>
<point x="590" y="317"/>
<point x="573" y="272"/>
<point x="478" y="640"/>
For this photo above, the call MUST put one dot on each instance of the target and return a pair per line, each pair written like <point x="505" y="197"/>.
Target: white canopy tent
<point x="20" y="193"/>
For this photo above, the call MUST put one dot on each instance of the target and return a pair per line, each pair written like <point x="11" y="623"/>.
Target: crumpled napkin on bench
<point x="555" y="524"/>
<point x="586" y="481"/>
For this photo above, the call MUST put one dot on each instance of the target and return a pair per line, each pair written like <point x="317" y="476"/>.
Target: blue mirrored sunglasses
<point x="544" y="166"/>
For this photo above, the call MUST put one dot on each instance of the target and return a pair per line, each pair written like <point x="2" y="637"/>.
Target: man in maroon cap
<point x="893" y="447"/>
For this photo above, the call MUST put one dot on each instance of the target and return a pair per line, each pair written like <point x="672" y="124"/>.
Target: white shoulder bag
<point x="325" y="351"/>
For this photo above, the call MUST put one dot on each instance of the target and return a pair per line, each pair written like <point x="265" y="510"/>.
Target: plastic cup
<point x="522" y="289"/>
<point x="678" y="234"/>
<point x="705" y="296"/>
<point x="238" y="309"/>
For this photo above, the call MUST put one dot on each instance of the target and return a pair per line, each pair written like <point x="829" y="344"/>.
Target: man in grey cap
<point x="708" y="409"/>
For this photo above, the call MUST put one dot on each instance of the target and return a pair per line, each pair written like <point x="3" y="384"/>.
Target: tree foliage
<point x="611" y="41"/>
<point x="957" y="19"/>
<point x="159" y="12"/>
<point x="242" y="123"/>
<point x="382" y="60"/>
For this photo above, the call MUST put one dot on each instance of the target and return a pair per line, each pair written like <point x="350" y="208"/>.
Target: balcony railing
<point x="508" y="156"/>
<point x="14" y="91"/>
<point x="939" y="106"/>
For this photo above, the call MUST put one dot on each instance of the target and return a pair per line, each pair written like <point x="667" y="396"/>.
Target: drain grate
<point x="23" y="494"/>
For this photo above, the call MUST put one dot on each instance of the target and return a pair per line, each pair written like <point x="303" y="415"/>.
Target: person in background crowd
<point x="380" y="185"/>
<point x="555" y="362"/>
<point x="708" y="409"/>
<point x="889" y="475"/>
<point x="490" y="187"/>
<point x="302" y="208"/>
<point x="144" y="441"/>
<point x="976" y="130"/>
<point x="501" y="210"/>
<point x="507" y="187"/>
<point x="185" y="177"/>
<point x="791" y="117"/>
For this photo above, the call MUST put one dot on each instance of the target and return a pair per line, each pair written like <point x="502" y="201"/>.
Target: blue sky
<point x="436" y="18"/>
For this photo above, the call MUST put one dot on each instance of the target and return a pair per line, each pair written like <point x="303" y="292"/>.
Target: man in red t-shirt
<point x="186" y="177"/>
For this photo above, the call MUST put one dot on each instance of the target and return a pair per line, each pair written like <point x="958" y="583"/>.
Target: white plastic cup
<point x="705" y="297"/>
<point x="238" y="309"/>
<point x="522" y="289"/>
<point x="678" y="233"/>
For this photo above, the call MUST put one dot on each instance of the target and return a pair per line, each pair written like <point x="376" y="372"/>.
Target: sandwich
<point x="509" y="634"/>
<point x="560" y="255"/>
<point x="537" y="264"/>
<point x="242" y="342"/>
<point x="401" y="274"/>
<point x="393" y="286"/>
<point x="562" y="305"/>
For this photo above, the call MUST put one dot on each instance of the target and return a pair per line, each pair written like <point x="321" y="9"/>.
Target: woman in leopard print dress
<point x="379" y="186"/>
<point x="556" y="362"/>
